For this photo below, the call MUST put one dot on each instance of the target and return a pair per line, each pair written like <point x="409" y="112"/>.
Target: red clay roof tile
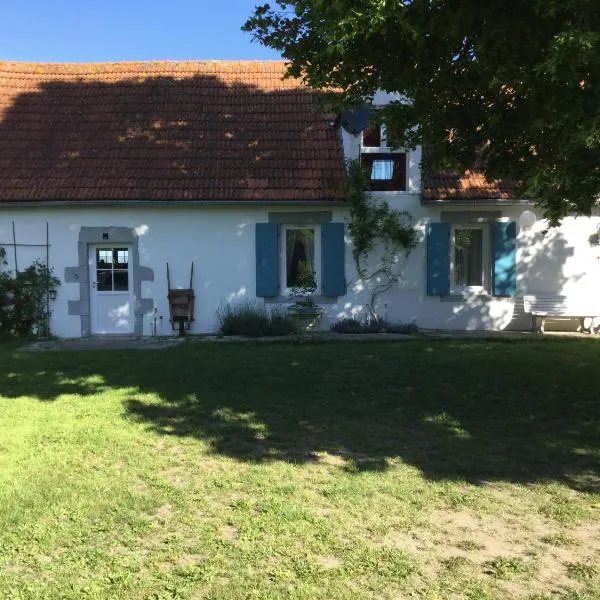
<point x="164" y="131"/>
<point x="471" y="185"/>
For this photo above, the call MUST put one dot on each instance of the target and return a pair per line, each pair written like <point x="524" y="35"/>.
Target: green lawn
<point x="422" y="469"/>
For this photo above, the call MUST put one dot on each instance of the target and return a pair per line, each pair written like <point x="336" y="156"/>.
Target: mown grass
<point x="429" y="469"/>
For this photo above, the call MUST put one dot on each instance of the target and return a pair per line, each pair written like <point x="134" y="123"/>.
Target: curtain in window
<point x="382" y="170"/>
<point x="300" y="247"/>
<point x="468" y="257"/>
<point x="310" y="249"/>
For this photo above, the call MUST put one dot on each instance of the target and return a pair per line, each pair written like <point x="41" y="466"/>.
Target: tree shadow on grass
<point x="474" y="411"/>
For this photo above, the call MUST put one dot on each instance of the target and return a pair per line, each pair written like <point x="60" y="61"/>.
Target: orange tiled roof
<point x="471" y="185"/>
<point x="216" y="131"/>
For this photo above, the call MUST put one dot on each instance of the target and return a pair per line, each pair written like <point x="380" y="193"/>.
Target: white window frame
<point x="485" y="258"/>
<point x="383" y="148"/>
<point x="285" y="290"/>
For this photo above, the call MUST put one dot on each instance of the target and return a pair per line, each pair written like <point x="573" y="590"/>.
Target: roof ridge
<point x="140" y="62"/>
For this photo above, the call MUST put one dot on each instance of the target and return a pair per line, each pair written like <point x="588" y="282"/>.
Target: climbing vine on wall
<point x="375" y="225"/>
<point x="24" y="299"/>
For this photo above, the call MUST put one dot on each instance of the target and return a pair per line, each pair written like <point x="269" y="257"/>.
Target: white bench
<point x="541" y="306"/>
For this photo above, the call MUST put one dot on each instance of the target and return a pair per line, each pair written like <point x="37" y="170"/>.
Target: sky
<point x="113" y="30"/>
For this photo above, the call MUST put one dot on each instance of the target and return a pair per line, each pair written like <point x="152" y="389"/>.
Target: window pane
<point x="468" y="257"/>
<point x="104" y="258"/>
<point x="372" y="137"/>
<point x="386" y="172"/>
<point x="300" y="257"/>
<point x="121" y="281"/>
<point x="121" y="258"/>
<point x="104" y="280"/>
<point x="382" y="170"/>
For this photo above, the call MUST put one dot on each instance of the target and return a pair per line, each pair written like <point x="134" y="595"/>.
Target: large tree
<point x="509" y="86"/>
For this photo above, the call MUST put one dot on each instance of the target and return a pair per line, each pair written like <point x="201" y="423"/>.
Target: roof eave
<point x="8" y="204"/>
<point x="476" y="201"/>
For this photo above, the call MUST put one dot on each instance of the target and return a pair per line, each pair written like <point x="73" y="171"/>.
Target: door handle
<point x="94" y="283"/>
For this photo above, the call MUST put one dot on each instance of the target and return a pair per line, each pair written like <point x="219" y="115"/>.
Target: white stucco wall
<point x="221" y="242"/>
<point x="560" y="261"/>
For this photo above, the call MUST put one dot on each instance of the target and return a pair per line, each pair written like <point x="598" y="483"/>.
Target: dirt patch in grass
<point x="189" y="560"/>
<point x="490" y="547"/>
<point x="163" y="513"/>
<point x="230" y="533"/>
<point x="174" y="476"/>
<point x="20" y="570"/>
<point x="329" y="562"/>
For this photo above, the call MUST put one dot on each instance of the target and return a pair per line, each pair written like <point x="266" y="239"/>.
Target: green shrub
<point x="24" y="299"/>
<point x="405" y="328"/>
<point x="346" y="326"/>
<point x="281" y="322"/>
<point x="353" y="326"/>
<point x="253" y="319"/>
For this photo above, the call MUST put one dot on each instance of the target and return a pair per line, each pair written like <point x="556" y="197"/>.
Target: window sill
<point x="381" y="150"/>
<point x="466" y="294"/>
<point x="376" y="191"/>
<point x="287" y="300"/>
<point x="397" y="192"/>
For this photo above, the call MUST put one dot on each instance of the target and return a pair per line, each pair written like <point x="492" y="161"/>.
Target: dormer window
<point x="371" y="137"/>
<point x="385" y="167"/>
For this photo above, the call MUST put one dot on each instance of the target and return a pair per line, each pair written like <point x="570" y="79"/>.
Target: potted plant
<point x="304" y="310"/>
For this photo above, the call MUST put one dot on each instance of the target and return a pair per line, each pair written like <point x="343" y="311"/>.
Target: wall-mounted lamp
<point x="527" y="219"/>
<point x="52" y="294"/>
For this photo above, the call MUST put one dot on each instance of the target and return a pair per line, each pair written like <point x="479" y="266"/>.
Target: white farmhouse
<point x="111" y="171"/>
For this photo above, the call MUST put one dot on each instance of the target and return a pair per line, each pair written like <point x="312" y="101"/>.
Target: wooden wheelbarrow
<point x="181" y="305"/>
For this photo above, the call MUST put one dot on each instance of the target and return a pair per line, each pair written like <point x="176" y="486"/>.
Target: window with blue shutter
<point x="333" y="253"/>
<point x="438" y="259"/>
<point x="282" y="251"/>
<point x="267" y="252"/>
<point x="505" y="259"/>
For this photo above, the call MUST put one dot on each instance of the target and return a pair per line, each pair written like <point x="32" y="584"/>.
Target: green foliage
<point x="353" y="326"/>
<point x="253" y="319"/>
<point x="457" y="564"/>
<point x="469" y="545"/>
<point x="559" y="539"/>
<point x="562" y="508"/>
<point x="346" y="326"/>
<point x="463" y="238"/>
<point x="517" y="97"/>
<point x="582" y="570"/>
<point x="306" y="285"/>
<point x="507" y="567"/>
<point x="373" y="221"/>
<point x="24" y="299"/>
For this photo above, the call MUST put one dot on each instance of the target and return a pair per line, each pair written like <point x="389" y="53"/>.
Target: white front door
<point x="111" y="289"/>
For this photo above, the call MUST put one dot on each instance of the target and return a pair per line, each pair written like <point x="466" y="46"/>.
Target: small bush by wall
<point x="254" y="320"/>
<point x="24" y="299"/>
<point x="352" y="326"/>
<point x="347" y="326"/>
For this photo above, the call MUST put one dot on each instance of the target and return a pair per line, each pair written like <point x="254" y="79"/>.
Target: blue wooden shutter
<point x="333" y="258"/>
<point x="505" y="259"/>
<point x="438" y="259"/>
<point x="267" y="276"/>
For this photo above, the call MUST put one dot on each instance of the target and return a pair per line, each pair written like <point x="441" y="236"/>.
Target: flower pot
<point x="306" y="317"/>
